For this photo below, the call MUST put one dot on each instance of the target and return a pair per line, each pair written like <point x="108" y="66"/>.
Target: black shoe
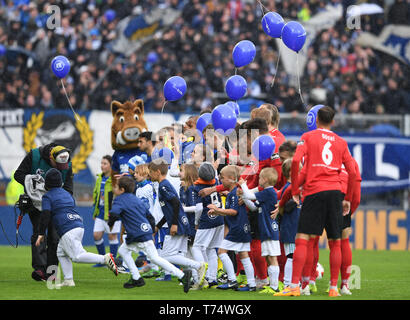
<point x="186" y="280"/>
<point x="39" y="275"/>
<point x="134" y="283"/>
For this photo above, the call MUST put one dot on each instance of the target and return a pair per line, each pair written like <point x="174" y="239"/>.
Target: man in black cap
<point x="31" y="173"/>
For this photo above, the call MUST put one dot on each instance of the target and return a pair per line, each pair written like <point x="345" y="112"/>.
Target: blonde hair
<point x="270" y="174"/>
<point x="142" y="170"/>
<point x="191" y="174"/>
<point x="275" y="118"/>
<point x="231" y="171"/>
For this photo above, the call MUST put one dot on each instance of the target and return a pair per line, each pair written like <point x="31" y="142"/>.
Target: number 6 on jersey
<point x="327" y="155"/>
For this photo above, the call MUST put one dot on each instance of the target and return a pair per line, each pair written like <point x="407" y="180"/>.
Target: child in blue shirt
<point x="210" y="233"/>
<point x="59" y="205"/>
<point x="268" y="227"/>
<point x="176" y="241"/>
<point x="139" y="224"/>
<point x="239" y="236"/>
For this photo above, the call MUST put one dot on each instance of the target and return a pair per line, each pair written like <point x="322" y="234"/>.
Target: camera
<point x="24" y="203"/>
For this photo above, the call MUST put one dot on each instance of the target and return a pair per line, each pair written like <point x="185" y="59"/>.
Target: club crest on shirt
<point x="184" y="220"/>
<point x="246" y="228"/>
<point x="301" y="143"/>
<point x="275" y="226"/>
<point x="145" y="227"/>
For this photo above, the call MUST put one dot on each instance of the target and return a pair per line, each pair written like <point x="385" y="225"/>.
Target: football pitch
<point x="380" y="275"/>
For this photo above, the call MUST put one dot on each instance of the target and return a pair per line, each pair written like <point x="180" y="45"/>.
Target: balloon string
<point x="297" y="72"/>
<point x="163" y="106"/>
<point x="262" y="7"/>
<point x="68" y="99"/>
<point x="236" y="71"/>
<point x="277" y="66"/>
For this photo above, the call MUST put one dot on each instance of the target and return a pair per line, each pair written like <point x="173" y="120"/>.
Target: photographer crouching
<point x="31" y="173"/>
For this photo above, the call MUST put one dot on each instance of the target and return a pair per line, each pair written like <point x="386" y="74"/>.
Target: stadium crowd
<point x="198" y="47"/>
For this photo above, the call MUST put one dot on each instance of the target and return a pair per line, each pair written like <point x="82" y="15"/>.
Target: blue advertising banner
<point x="371" y="229"/>
<point x="384" y="162"/>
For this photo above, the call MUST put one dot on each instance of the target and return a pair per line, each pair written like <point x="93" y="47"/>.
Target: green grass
<point x="384" y="275"/>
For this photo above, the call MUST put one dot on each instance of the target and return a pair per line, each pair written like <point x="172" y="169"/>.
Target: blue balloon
<point x="263" y="147"/>
<point x="203" y="121"/>
<point x="294" y="35"/>
<point x="311" y="117"/>
<point x="243" y="53"/>
<point x="272" y="24"/>
<point x="234" y="106"/>
<point x="110" y="15"/>
<point x="174" y="88"/>
<point x="2" y="50"/>
<point x="164" y="155"/>
<point x="152" y="57"/>
<point x="223" y="119"/>
<point x="60" y="66"/>
<point x="236" y="87"/>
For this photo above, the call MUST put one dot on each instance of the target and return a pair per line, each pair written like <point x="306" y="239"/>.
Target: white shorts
<point x="289" y="248"/>
<point x="235" y="246"/>
<point x="270" y="248"/>
<point x="101" y="225"/>
<point x="70" y="244"/>
<point x="209" y="238"/>
<point x="148" y="247"/>
<point x="174" y="245"/>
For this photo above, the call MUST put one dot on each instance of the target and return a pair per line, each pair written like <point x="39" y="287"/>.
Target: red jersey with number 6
<point x="324" y="153"/>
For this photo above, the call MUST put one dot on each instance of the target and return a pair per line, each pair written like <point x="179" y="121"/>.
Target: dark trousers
<point x="44" y="255"/>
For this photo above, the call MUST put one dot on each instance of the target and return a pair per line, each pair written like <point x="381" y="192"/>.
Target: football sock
<point x="299" y="257"/>
<point x="335" y="261"/>
<point x="212" y="264"/>
<point x="249" y="271"/>
<point x="114" y="246"/>
<point x="228" y="265"/>
<point x="259" y="263"/>
<point x="315" y="258"/>
<point x="100" y="246"/>
<point x="346" y="260"/>
<point x="282" y="262"/>
<point x="66" y="267"/>
<point x="273" y="272"/>
<point x="307" y="269"/>
<point x="287" y="278"/>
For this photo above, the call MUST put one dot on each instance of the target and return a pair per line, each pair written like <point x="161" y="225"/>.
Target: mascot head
<point x="127" y="124"/>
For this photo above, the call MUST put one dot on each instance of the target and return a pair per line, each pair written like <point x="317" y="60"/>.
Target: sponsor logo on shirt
<point x="74" y="216"/>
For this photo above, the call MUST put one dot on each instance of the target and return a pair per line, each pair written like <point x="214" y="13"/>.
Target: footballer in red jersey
<point x="323" y="152"/>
